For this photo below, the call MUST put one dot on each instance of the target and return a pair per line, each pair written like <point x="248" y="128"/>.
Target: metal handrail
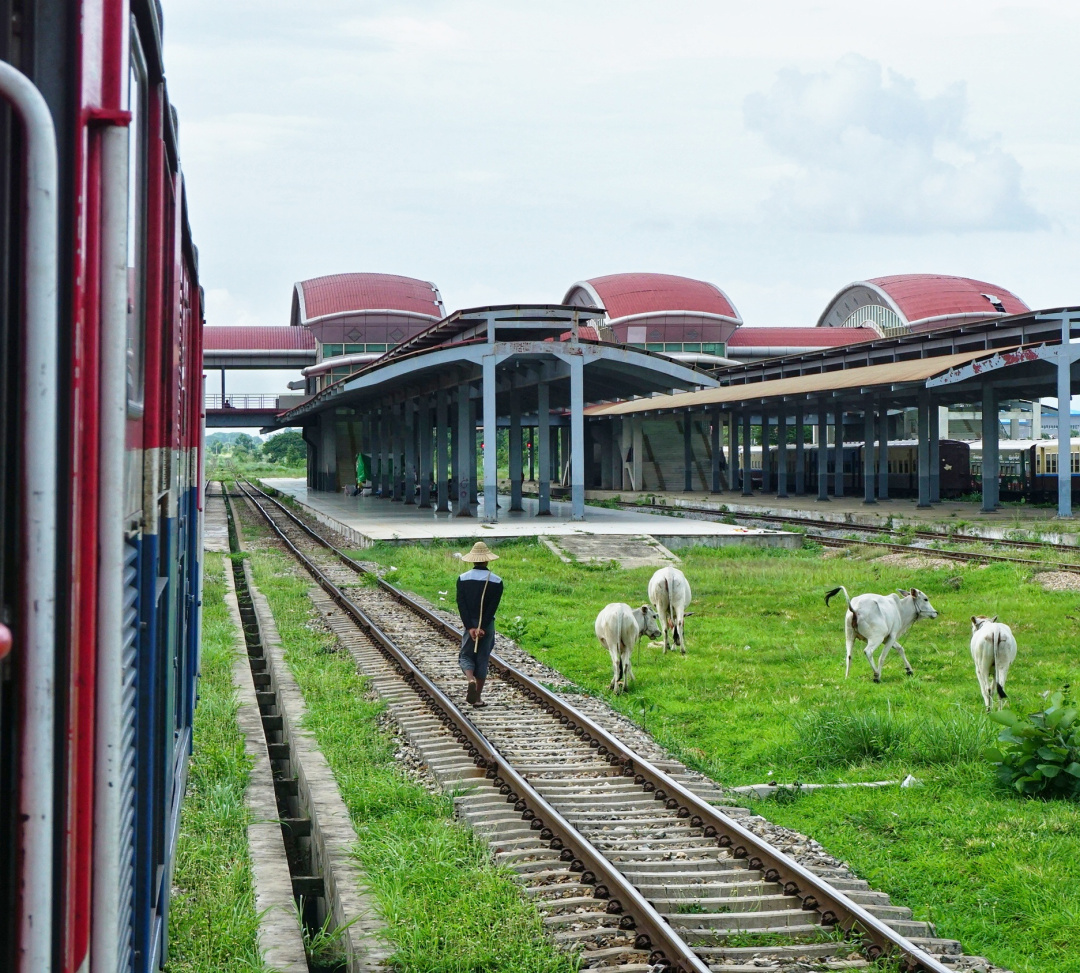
<point x="817" y="894"/>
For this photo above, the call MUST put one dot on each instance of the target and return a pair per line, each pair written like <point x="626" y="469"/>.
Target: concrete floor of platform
<point x="374" y="519"/>
<point x="852" y="510"/>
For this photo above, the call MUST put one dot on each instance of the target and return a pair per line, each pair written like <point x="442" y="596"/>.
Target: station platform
<point x="368" y="520"/>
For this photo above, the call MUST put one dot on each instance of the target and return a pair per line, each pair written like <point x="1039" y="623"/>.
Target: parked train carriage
<point x="1029" y="467"/>
<point x="953" y="456"/>
<point x="100" y="473"/>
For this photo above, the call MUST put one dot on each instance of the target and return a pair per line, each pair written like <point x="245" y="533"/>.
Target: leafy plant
<point x="516" y="628"/>
<point x="1039" y="755"/>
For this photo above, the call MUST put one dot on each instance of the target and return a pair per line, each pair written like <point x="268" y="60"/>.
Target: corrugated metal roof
<point x="340" y="293"/>
<point x="639" y="293"/>
<point x="894" y="373"/>
<point x="257" y="338"/>
<point x="921" y="296"/>
<point x="799" y="337"/>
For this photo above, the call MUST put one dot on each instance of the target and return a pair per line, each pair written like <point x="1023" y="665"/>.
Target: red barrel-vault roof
<point x="342" y="293"/>
<point x="922" y="296"/>
<point x="639" y="293"/>
<point x="256" y="338"/>
<point x="745" y="337"/>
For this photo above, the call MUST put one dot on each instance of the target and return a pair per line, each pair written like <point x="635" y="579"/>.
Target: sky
<point x="505" y="150"/>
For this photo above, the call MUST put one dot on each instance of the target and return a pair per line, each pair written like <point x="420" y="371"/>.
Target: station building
<point x="653" y="381"/>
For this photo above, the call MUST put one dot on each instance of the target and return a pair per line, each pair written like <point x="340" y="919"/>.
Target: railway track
<point x="641" y="869"/>
<point x="830" y="540"/>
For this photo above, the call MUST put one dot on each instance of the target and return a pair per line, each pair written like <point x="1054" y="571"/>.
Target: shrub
<point x="516" y="628"/>
<point x="1039" y="755"/>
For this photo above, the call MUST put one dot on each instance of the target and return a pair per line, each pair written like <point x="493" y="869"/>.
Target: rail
<point x="817" y="895"/>
<point x="653" y="934"/>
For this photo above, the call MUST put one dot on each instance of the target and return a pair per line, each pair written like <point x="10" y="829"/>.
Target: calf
<point x="669" y="592"/>
<point x="618" y="627"/>
<point x="882" y="620"/>
<point x="993" y="649"/>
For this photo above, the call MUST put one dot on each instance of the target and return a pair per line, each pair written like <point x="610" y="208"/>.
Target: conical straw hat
<point x="480" y="552"/>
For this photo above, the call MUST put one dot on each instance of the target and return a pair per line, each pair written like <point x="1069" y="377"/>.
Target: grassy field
<point x="448" y="910"/>
<point x="761" y="695"/>
<point x="212" y="921"/>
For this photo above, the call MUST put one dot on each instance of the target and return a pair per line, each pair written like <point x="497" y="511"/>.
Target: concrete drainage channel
<point x="337" y="922"/>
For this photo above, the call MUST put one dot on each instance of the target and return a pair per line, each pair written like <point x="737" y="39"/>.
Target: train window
<point x="1074" y="462"/>
<point x="137" y="132"/>
<point x="1050" y="461"/>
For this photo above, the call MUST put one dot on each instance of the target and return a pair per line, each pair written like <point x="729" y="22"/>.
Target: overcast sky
<point x="505" y="150"/>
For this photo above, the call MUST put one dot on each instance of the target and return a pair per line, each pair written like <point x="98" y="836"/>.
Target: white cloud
<point x="868" y="153"/>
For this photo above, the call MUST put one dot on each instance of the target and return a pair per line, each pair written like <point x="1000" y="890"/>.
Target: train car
<point x="953" y="457"/>
<point x="1028" y="468"/>
<point x="100" y="476"/>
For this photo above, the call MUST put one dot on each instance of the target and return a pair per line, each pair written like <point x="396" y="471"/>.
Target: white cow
<point x="669" y="592"/>
<point x="618" y="627"/>
<point x="993" y="649"/>
<point x="882" y="620"/>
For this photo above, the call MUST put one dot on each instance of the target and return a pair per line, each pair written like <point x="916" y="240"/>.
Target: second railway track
<point x="649" y="870"/>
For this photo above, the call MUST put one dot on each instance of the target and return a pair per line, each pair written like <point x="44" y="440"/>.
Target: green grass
<point x="762" y="696"/>
<point x="212" y="920"/>
<point x="447" y="908"/>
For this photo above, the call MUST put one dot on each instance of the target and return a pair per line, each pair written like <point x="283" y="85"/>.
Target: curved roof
<point x="626" y="295"/>
<point x="921" y="301"/>
<point x="350" y="293"/>
<point x="256" y="338"/>
<point x="923" y="296"/>
<point x="745" y="337"/>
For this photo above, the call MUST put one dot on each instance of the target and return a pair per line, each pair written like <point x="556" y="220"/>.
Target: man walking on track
<point x="478" y="594"/>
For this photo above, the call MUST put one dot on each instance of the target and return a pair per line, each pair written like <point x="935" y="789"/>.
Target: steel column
<point x="688" y="453"/>
<point x="516" y="473"/>
<point x="716" y="452"/>
<point x="838" y="455"/>
<point x="781" y="455"/>
<point x="1064" y="400"/>
<point x="424" y="430"/>
<point x="822" y="453"/>
<point x="442" y="493"/>
<point x="398" y="477"/>
<point x="473" y="448"/>
<point x="868" y="464"/>
<point x="883" y="451"/>
<point x="386" y="437"/>
<point x="577" y="438"/>
<point x="747" y="468"/>
<point x="410" y="451"/>
<point x="491" y="441"/>
<point x="734" y="471"/>
<point x="800" y="455"/>
<point x="935" y="453"/>
<point x="990" y="455"/>
<point x="543" y="420"/>
<point x="462" y="453"/>
<point x="766" y="455"/>
<point x="924" y="448"/>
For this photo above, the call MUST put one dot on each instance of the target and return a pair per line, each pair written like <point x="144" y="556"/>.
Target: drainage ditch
<point x="324" y="954"/>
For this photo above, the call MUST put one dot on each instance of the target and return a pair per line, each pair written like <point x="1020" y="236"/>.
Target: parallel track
<point x="827" y="540"/>
<point x="680" y="874"/>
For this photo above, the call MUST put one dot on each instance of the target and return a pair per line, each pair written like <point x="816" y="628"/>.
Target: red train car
<point x="100" y="474"/>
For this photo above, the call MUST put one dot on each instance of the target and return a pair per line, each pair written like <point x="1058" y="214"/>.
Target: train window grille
<point x="128" y="706"/>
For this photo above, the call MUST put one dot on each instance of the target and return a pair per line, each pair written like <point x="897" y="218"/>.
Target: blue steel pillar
<point x="516" y="472"/>
<point x="935" y="453"/>
<point x="822" y="453"/>
<point x="410" y="451"/>
<point x="397" y="489"/>
<point x="733" y="481"/>
<point x="384" y="463"/>
<point x="1064" y="399"/>
<point x="924" y="448"/>
<point x="838" y="461"/>
<point x="424" y="433"/>
<point x="747" y="468"/>
<point x="990" y="453"/>
<point x="491" y="439"/>
<point x="577" y="438"/>
<point x="868" y="464"/>
<point x="781" y="455"/>
<point x="717" y="454"/>
<point x="883" y="451"/>
<point x="543" y="467"/>
<point x="800" y="455"/>
<point x="462" y="452"/>
<point x="442" y="493"/>
<point x="688" y="452"/>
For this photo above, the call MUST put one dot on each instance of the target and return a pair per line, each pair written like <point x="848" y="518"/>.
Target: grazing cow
<point x="669" y="592"/>
<point x="618" y="627"/>
<point x="882" y="620"/>
<point x="993" y="649"/>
